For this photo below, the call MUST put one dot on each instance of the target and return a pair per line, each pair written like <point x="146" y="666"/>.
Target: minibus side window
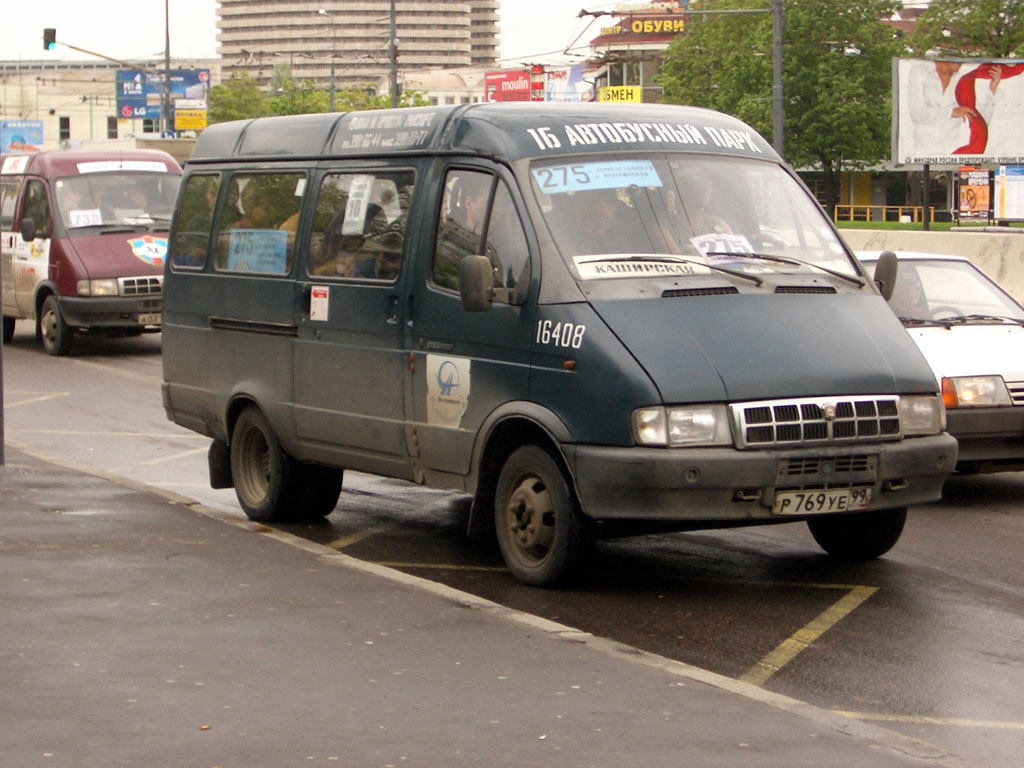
<point x="195" y="218"/>
<point x="359" y="225"/>
<point x="8" y="199"/>
<point x="258" y="221"/>
<point x="506" y="244"/>
<point x="465" y="216"/>
<point x="37" y="206"/>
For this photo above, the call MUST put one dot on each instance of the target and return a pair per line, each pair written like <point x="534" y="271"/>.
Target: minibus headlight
<point x="974" y="391"/>
<point x="107" y="287"/>
<point x="674" y="427"/>
<point x="922" y="415"/>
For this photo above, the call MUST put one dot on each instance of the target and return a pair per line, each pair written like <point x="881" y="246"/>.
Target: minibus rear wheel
<point x="541" y="534"/>
<point x="8" y="329"/>
<point x="859" y="536"/>
<point x="55" y="333"/>
<point x="264" y="475"/>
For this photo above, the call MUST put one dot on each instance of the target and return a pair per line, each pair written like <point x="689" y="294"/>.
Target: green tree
<point x="837" y="86"/>
<point x="237" y="98"/>
<point x="291" y="98"/>
<point x="969" y="28"/>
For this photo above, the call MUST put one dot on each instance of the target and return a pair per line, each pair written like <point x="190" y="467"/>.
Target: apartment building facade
<point x="355" y="37"/>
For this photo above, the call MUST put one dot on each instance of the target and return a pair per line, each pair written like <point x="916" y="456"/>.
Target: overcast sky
<point x="529" y="30"/>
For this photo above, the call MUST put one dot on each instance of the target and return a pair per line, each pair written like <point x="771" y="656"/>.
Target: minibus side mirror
<point x="476" y="283"/>
<point x="28" y="229"/>
<point x="885" y="274"/>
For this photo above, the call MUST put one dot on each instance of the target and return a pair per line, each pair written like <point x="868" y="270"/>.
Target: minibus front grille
<point x="816" y="420"/>
<point x="1016" y="391"/>
<point x="825" y="465"/>
<point x="140" y="286"/>
<point x="682" y="293"/>
<point x="804" y="289"/>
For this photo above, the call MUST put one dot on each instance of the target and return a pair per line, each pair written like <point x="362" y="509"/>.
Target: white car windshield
<point x="957" y="291"/>
<point x="116" y="199"/>
<point x="683" y="214"/>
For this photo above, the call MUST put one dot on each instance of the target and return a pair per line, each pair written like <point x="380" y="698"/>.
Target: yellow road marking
<point x="803" y="637"/>
<point x="353" y="538"/>
<point x="36" y="399"/>
<point x="445" y="566"/>
<point x="916" y="720"/>
<point x="161" y="460"/>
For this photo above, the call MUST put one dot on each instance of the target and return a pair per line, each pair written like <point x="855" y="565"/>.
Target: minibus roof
<point x="69" y="162"/>
<point x="508" y="131"/>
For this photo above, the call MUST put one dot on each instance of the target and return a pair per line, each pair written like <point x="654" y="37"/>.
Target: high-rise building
<point x="354" y="35"/>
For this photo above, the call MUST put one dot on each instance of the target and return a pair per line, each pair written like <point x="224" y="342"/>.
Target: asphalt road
<point x="926" y="641"/>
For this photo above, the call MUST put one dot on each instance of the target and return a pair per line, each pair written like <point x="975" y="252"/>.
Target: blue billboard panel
<point x="139" y="93"/>
<point x="21" y="135"/>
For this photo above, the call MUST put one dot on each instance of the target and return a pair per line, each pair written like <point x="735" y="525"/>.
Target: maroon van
<point x="83" y="236"/>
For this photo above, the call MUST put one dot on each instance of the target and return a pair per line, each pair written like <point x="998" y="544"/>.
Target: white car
<point x="971" y="332"/>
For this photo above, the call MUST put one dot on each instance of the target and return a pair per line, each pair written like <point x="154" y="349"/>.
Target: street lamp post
<point x="330" y="23"/>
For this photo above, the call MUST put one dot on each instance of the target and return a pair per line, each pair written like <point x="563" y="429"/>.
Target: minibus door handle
<point x="307" y="299"/>
<point x="393" y="309"/>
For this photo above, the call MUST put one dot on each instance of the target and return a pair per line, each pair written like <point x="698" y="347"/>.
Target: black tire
<point x="542" y="536"/>
<point x="8" y="329"/>
<point x="55" y="334"/>
<point x="320" y="488"/>
<point x="859" y="536"/>
<point x="263" y="474"/>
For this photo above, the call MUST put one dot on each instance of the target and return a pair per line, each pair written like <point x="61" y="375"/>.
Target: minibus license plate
<point x="151" y="318"/>
<point x="813" y="502"/>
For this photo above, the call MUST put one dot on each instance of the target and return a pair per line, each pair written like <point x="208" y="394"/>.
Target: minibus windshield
<point x="116" y="199"/>
<point x="697" y="212"/>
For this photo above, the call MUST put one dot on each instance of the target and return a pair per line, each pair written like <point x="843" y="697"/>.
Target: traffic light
<point x="49" y="38"/>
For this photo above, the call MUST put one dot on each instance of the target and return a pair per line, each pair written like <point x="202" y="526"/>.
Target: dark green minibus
<point x="596" y="319"/>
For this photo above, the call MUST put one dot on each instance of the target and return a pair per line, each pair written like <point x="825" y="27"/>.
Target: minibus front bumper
<point x="112" y="311"/>
<point x="728" y="486"/>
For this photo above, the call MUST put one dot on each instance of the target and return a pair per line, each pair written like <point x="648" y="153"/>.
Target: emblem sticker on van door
<point x="447" y="390"/>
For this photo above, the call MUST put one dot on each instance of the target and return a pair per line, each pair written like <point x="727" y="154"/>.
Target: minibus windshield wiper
<point x="791" y="261"/>
<point x="680" y="260"/>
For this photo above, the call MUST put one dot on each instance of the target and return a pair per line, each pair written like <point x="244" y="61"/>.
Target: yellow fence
<point x="882" y="213"/>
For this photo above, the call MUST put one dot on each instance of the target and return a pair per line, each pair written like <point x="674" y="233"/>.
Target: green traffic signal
<point x="49" y="39"/>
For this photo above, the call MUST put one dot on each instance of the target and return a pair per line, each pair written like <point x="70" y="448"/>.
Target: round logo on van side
<point x="152" y="250"/>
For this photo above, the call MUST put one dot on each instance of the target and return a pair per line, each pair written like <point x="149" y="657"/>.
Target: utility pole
<point x="778" y="136"/>
<point x="165" y="105"/>
<point x="393" y="56"/>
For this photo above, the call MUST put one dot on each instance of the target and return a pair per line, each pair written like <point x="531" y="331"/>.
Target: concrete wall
<point x="999" y="254"/>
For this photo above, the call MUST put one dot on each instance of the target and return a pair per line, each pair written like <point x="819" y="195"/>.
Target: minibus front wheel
<point x="859" y="535"/>
<point x="542" y="536"/>
<point x="56" y="334"/>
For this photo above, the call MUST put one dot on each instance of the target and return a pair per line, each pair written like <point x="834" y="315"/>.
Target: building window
<point x="64" y="128"/>
<point x="111" y="127"/>
<point x="150" y="125"/>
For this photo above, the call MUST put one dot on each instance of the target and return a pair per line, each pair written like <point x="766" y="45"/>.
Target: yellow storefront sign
<point x="189" y="119"/>
<point x="625" y="94"/>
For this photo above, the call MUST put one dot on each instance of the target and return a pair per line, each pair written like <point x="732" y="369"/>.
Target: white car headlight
<point x="674" y="427"/>
<point x="106" y="287"/>
<point x="973" y="391"/>
<point x="922" y="415"/>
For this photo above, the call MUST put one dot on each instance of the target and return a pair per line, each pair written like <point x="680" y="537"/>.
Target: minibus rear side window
<point x="359" y="225"/>
<point x="191" y="243"/>
<point x="258" y="221"/>
<point x="8" y="199"/>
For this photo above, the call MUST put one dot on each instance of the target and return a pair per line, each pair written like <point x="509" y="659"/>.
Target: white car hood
<point x="973" y="350"/>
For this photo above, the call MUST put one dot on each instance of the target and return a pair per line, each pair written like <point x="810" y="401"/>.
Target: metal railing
<point x="911" y="213"/>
